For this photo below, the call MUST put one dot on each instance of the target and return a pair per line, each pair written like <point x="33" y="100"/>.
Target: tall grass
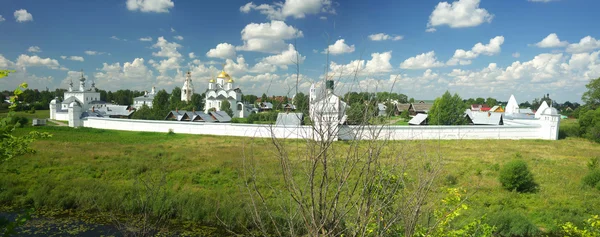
<point x="90" y="171"/>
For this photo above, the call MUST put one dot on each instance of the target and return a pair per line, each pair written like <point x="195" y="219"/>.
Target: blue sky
<point x="477" y="48"/>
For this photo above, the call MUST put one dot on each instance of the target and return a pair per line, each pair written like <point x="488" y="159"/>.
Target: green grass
<point x="87" y="170"/>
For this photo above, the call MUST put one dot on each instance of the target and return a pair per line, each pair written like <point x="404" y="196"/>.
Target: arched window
<point x="239" y="107"/>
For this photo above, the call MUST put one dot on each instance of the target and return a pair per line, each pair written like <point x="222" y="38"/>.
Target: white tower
<point x="82" y="82"/>
<point x="188" y="89"/>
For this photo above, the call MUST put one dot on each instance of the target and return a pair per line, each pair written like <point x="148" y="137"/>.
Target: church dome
<point x="212" y="80"/>
<point x="550" y="111"/>
<point x="230" y="80"/>
<point x="223" y="74"/>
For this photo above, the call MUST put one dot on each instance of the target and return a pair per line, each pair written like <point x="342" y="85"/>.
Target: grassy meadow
<point x="88" y="171"/>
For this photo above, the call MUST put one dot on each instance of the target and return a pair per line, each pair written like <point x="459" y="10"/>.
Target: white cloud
<point x="459" y="14"/>
<point x="464" y="57"/>
<point x="36" y="61"/>
<point x="178" y="37"/>
<point x="323" y="18"/>
<point x="34" y="49"/>
<point x="382" y="36"/>
<point x="2" y="18"/>
<point x="422" y="61"/>
<point x="544" y="1"/>
<point x="90" y="52"/>
<point x="339" y="47"/>
<point x="167" y="49"/>
<point x="73" y="58"/>
<point x="158" y="6"/>
<point x="551" y="41"/>
<point x="586" y="44"/>
<point x="379" y="63"/>
<point x="288" y="57"/>
<point x="430" y="30"/>
<point x="133" y="75"/>
<point x="223" y="50"/>
<point x="516" y="54"/>
<point x="192" y="55"/>
<point x="23" y="16"/>
<point x="5" y="63"/>
<point x="236" y="68"/>
<point x="290" y="8"/>
<point x="146" y="39"/>
<point x="115" y="37"/>
<point x="268" y="37"/>
<point x="492" y="48"/>
<point x="172" y="30"/>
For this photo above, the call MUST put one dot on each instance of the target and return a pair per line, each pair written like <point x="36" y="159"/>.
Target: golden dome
<point x="223" y="74"/>
<point x="230" y="80"/>
<point x="212" y="80"/>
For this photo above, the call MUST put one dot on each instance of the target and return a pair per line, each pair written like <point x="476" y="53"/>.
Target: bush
<point x="515" y="176"/>
<point x="592" y="179"/>
<point x="509" y="223"/>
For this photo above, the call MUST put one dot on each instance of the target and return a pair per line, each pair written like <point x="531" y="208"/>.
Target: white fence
<point x="532" y="129"/>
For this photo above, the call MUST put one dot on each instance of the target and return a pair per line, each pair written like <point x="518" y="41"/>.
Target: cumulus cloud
<point x="2" y="18"/>
<point x="586" y="44"/>
<point x="34" y="49"/>
<point x="288" y="57"/>
<point x="35" y="61"/>
<point x="542" y="74"/>
<point x="192" y="55"/>
<point x="146" y="39"/>
<point x="339" y="47"/>
<point x="115" y="37"/>
<point x="458" y="14"/>
<point x="422" y="61"/>
<point x="516" y="54"/>
<point x="23" y="16"/>
<point x="551" y="41"/>
<point x="157" y="6"/>
<point x="378" y="64"/>
<point x="133" y="75"/>
<point x="464" y="57"/>
<point x="290" y="8"/>
<point x="167" y="49"/>
<point x="223" y="51"/>
<point x="90" y="52"/>
<point x="73" y="58"/>
<point x="382" y="36"/>
<point x="178" y="37"/>
<point x="268" y="37"/>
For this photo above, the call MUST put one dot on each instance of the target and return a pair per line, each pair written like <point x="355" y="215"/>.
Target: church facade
<point x="223" y="89"/>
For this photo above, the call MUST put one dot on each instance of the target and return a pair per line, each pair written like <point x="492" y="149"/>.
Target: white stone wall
<point x="226" y="129"/>
<point x="531" y="129"/>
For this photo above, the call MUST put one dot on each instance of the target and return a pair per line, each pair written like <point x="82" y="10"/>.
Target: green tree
<point x="301" y="103"/>
<point x="144" y="112"/>
<point x="592" y="96"/>
<point x="491" y="102"/>
<point x="360" y="113"/>
<point x="175" y="99"/>
<point x="226" y="106"/>
<point x="198" y="101"/>
<point x="447" y="110"/>
<point x="480" y="100"/>
<point x="390" y="109"/>
<point x="515" y="176"/>
<point x="589" y="124"/>
<point x="264" y="97"/>
<point x="251" y="99"/>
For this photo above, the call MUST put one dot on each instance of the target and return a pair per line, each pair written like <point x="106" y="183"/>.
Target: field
<point x="88" y="170"/>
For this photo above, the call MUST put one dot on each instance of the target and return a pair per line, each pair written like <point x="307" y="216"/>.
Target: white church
<point x="86" y="102"/>
<point x="223" y="89"/>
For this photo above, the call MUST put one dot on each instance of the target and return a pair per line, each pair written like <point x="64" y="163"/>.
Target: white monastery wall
<point x="219" y="129"/>
<point x="532" y="129"/>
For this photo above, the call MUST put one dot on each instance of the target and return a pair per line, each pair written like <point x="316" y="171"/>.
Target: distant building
<point x="326" y="108"/>
<point x="223" y="89"/>
<point x="188" y="88"/>
<point x="197" y="116"/>
<point x="85" y="102"/>
<point x="145" y="99"/>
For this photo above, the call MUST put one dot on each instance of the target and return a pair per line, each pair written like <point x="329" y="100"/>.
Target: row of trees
<point x="164" y="102"/>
